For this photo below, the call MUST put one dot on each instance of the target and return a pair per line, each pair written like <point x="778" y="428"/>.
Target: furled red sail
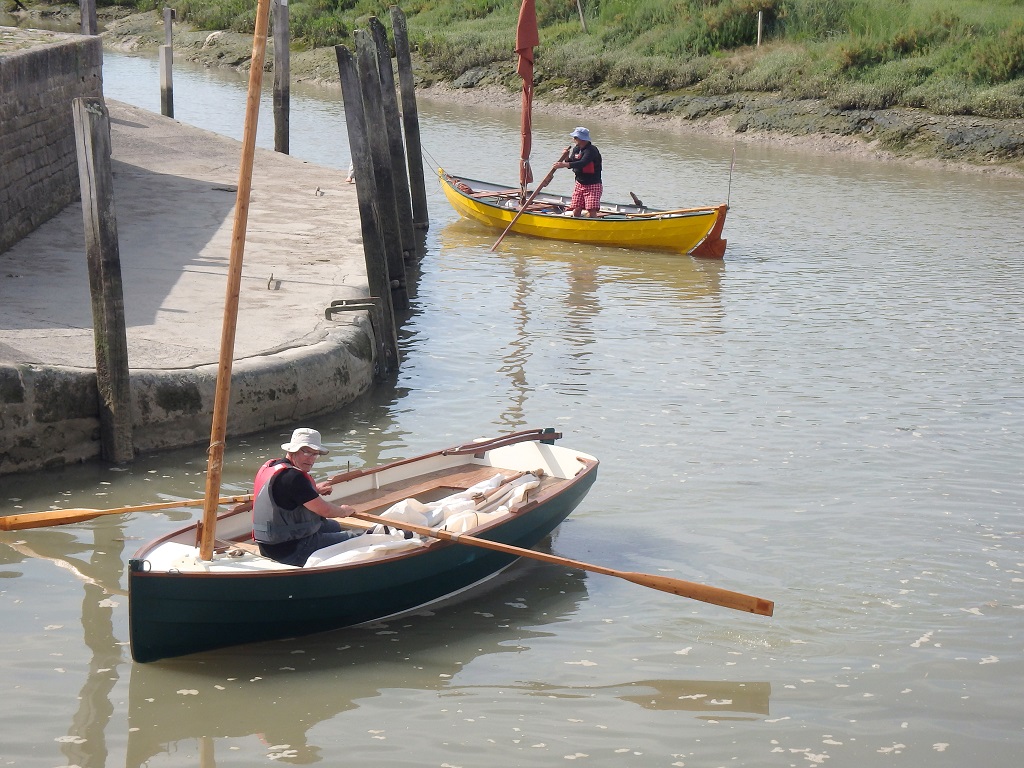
<point x="527" y="38"/>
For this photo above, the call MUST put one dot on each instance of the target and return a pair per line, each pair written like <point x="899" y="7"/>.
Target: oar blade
<point x="46" y="519"/>
<point x="68" y="516"/>
<point x="713" y="595"/>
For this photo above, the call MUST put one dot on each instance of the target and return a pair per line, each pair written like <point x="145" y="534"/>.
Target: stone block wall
<point x="40" y="74"/>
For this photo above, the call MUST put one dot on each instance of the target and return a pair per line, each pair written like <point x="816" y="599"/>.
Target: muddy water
<point x="830" y="418"/>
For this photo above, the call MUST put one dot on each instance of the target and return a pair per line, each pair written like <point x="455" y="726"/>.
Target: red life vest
<point x="272" y="524"/>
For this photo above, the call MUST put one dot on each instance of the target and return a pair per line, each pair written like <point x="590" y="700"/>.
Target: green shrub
<point x="552" y="12"/>
<point x="774" y="70"/>
<point x="656" y="72"/>
<point x="812" y="20"/>
<point x="943" y="96"/>
<point x="323" y="31"/>
<point x="1003" y="101"/>
<point x="453" y="55"/>
<point x="1001" y="58"/>
<point x="734" y="24"/>
<point x="224" y="14"/>
<point x="575" y="65"/>
<point x="861" y="95"/>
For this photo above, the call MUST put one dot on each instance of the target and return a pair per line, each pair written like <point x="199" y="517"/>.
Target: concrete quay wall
<point x="40" y="74"/>
<point x="174" y="194"/>
<point x="49" y="414"/>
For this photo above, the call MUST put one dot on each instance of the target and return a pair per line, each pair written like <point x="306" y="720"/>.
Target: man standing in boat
<point x="291" y="519"/>
<point x="585" y="161"/>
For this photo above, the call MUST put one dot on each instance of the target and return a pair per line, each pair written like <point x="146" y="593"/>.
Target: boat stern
<point x="713" y="245"/>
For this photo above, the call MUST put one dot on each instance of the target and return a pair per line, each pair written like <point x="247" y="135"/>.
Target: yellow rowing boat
<point x="695" y="231"/>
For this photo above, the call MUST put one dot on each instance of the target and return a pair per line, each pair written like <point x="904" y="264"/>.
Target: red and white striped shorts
<point x="586" y="196"/>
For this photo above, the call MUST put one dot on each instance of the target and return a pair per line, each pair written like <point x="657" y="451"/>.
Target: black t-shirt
<point x="586" y="164"/>
<point x="292" y="489"/>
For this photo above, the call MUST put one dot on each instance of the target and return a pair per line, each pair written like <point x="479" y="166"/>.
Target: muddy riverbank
<point x="957" y="142"/>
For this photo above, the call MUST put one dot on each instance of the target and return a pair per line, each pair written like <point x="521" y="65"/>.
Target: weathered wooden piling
<point x="92" y="139"/>
<point x="167" y="66"/>
<point x="410" y="120"/>
<point x="374" y="252"/>
<point x="396" y="147"/>
<point x="87" y="19"/>
<point x="380" y="156"/>
<point x="282" y="77"/>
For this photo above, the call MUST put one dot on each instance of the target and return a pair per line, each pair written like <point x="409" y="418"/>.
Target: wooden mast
<point x="218" y="432"/>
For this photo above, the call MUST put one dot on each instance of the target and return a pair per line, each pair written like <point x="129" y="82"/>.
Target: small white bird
<point x="318" y="192"/>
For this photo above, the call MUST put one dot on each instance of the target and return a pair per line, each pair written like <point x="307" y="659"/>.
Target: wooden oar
<point x="482" y="446"/>
<point x="544" y="182"/>
<point x="66" y="516"/>
<point x="702" y="592"/>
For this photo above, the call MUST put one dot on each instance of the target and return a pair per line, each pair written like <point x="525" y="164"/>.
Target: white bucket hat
<point x="303" y="437"/>
<point x="581" y="133"/>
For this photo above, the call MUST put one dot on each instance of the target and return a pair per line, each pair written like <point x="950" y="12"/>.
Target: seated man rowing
<point x="291" y="519"/>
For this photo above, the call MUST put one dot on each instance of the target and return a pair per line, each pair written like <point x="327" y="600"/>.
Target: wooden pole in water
<point x="369" y="217"/>
<point x="389" y="101"/>
<point x="282" y="77"/>
<point x="380" y="156"/>
<point x="88" y="20"/>
<point x="218" y="431"/>
<point x="410" y="120"/>
<point x="167" y="66"/>
<point x="92" y="138"/>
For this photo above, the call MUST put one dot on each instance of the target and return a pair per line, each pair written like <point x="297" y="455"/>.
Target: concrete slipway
<point x="174" y="192"/>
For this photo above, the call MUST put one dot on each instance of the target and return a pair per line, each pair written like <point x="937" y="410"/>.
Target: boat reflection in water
<point x="587" y="267"/>
<point x="558" y="299"/>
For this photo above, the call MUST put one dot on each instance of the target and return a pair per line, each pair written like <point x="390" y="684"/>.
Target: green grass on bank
<point x="946" y="56"/>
